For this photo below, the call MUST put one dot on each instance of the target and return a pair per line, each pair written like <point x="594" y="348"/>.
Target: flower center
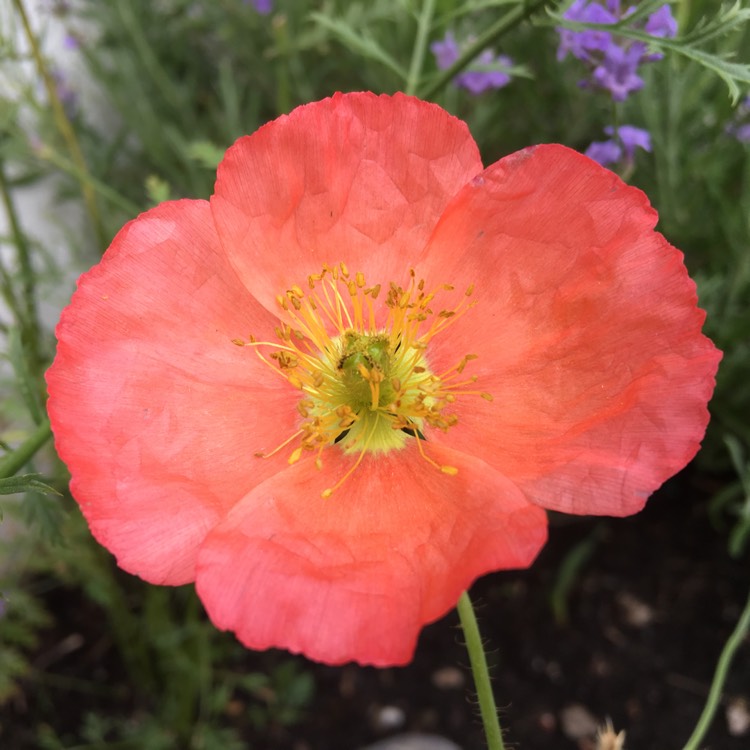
<point x="365" y="387"/>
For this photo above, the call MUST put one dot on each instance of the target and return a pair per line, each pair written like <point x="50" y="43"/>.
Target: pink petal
<point x="355" y="178"/>
<point x="587" y="331"/>
<point x="355" y="576"/>
<point x="155" y="411"/>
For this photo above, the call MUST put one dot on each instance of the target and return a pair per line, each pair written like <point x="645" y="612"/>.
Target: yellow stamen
<point x="366" y="388"/>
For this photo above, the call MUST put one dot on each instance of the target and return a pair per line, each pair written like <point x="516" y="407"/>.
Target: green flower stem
<point x="14" y="461"/>
<point x="424" y="25"/>
<point x="481" y="673"/>
<point x="62" y="122"/>
<point x="722" y="670"/>
<point x="502" y="26"/>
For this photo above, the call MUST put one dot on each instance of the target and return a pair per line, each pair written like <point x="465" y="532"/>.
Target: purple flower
<point x="264" y="7"/>
<point x="605" y="152"/>
<point x="487" y="71"/>
<point x="582" y="43"/>
<point x="631" y="138"/>
<point x="614" y="61"/>
<point x="662" y="23"/>
<point x="623" y="147"/>
<point x="67" y="96"/>
<point x="739" y="127"/>
<point x="617" y="71"/>
<point x="477" y="81"/>
<point x="446" y="51"/>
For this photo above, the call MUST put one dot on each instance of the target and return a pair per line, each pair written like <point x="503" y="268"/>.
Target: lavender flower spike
<point x="264" y="7"/>
<point x="613" y="60"/>
<point x="486" y="72"/>
<point x="611" y="151"/>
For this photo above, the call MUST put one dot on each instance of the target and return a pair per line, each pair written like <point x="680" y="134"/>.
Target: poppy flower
<point x="348" y="385"/>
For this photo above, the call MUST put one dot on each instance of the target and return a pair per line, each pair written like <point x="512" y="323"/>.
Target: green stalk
<point x="46" y="153"/>
<point x="280" y="26"/>
<point x="481" y="673"/>
<point x="149" y="60"/>
<point x="424" y="25"/>
<point x="720" y="676"/>
<point x="683" y="13"/>
<point x="11" y="463"/>
<point x="29" y="318"/>
<point x="502" y="26"/>
<point x="62" y="122"/>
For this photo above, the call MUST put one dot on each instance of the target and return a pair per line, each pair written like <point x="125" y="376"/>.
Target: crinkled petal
<point x="355" y="178"/>
<point x="355" y="576"/>
<point x="587" y="330"/>
<point x="155" y="411"/>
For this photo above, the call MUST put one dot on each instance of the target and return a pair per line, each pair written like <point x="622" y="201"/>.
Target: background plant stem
<point x="424" y="27"/>
<point x="63" y="123"/>
<point x="720" y="677"/>
<point x="25" y="452"/>
<point x="509" y="21"/>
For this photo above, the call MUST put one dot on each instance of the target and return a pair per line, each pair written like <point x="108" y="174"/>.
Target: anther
<point x="396" y="389"/>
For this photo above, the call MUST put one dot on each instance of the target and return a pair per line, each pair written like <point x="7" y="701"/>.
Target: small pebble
<point x="414" y="741"/>
<point x="738" y="717"/>
<point x="637" y="613"/>
<point x="547" y="721"/>
<point x="577" y="722"/>
<point x="387" y="718"/>
<point x="448" y="678"/>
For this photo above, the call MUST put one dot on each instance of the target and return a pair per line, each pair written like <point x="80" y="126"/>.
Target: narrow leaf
<point x="25" y="483"/>
<point x="364" y="45"/>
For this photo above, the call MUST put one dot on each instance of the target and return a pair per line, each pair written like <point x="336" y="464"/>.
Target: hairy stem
<point x="481" y="673"/>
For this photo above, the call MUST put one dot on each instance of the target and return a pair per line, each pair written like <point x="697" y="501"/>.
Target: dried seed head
<point x="607" y="739"/>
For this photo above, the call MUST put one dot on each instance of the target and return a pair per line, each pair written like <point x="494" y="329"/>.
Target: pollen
<point x="361" y="363"/>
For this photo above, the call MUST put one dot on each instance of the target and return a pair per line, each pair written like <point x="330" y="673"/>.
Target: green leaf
<point x="738" y="537"/>
<point x="722" y="23"/>
<point x="158" y="190"/>
<point x="207" y="154"/>
<point x="26" y="385"/>
<point x="361" y="44"/>
<point x="25" y="483"/>
<point x="729" y="72"/>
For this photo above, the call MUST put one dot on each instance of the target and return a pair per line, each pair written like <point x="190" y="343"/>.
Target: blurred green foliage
<point x="176" y="82"/>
